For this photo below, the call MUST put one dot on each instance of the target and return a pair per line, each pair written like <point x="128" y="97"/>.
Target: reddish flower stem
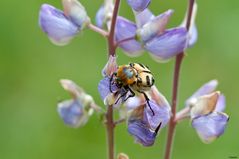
<point x="111" y="38"/>
<point x="179" y="59"/>
<point x="111" y="52"/>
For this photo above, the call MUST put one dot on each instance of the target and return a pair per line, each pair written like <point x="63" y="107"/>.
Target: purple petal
<point x="168" y="44"/>
<point x="104" y="88"/>
<point x="154" y="27"/>
<point x="211" y="126"/>
<point x="139" y="5"/>
<point x="161" y="115"/>
<point x="193" y="36"/>
<point x="133" y="102"/>
<point x="56" y="25"/>
<point x="143" y="17"/>
<point x="72" y="113"/>
<point x="207" y="88"/>
<point x="141" y="132"/>
<point x="126" y="29"/>
<point x="100" y="17"/>
<point x="76" y="12"/>
<point x="221" y="104"/>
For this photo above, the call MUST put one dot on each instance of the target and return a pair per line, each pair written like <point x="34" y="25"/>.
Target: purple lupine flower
<point x="75" y="112"/>
<point x="61" y="26"/>
<point x="127" y="29"/>
<point x="154" y="27"/>
<point x="206" y="112"/>
<point x="150" y="34"/>
<point x="141" y="132"/>
<point x="56" y="25"/>
<point x="211" y="126"/>
<point x="139" y="5"/>
<point x="142" y="123"/>
<point x="141" y="18"/>
<point x="168" y="44"/>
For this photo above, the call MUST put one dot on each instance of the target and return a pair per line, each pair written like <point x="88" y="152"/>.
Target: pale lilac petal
<point x="100" y="17"/>
<point x="211" y="126"/>
<point x="141" y="132"/>
<point x="133" y="102"/>
<point x="221" y="104"/>
<point x="154" y="27"/>
<point x="192" y="33"/>
<point x="56" y="25"/>
<point x="104" y="88"/>
<point x="72" y="113"/>
<point x="193" y="36"/>
<point x="143" y="17"/>
<point x="168" y="44"/>
<point x="139" y="5"/>
<point x="161" y="115"/>
<point x="207" y="88"/>
<point x="76" y="12"/>
<point x="126" y="29"/>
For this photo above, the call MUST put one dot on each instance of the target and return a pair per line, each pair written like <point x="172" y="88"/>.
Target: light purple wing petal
<point x="104" y="88"/>
<point x="161" y="115"/>
<point x="100" y="17"/>
<point x="221" y="104"/>
<point x="211" y="126"/>
<point x="207" y="88"/>
<point x="168" y="44"/>
<point x="126" y="29"/>
<point x="141" y="132"/>
<point x="72" y="113"/>
<point x="139" y="5"/>
<point x="193" y="36"/>
<point x="143" y="17"/>
<point x="154" y="27"/>
<point x="56" y="25"/>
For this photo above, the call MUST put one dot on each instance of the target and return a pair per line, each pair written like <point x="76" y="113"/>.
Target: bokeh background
<point x="31" y="66"/>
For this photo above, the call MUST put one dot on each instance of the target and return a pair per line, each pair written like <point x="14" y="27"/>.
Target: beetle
<point x="134" y="77"/>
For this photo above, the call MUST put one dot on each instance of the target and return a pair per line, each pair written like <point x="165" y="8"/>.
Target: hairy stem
<point x="179" y="59"/>
<point x="110" y="131"/>
<point x="111" y="52"/>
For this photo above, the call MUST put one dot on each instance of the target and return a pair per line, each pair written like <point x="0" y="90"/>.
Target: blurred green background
<point x="31" y="66"/>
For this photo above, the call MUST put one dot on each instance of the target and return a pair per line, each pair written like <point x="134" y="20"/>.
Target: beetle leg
<point x="131" y="95"/>
<point x="121" y="97"/>
<point x="110" y="84"/>
<point x="147" y="100"/>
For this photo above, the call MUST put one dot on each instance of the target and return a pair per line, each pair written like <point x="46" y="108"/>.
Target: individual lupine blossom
<point x="142" y="123"/>
<point x="76" y="111"/>
<point x="151" y="35"/>
<point x="206" y="109"/>
<point x="61" y="26"/>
